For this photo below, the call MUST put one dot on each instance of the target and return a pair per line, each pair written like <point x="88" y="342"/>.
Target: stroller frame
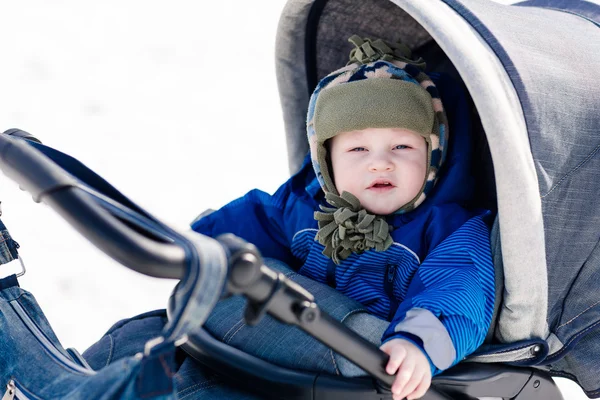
<point x="133" y="242"/>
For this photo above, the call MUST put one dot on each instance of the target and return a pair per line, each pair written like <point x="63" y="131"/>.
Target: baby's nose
<point x="381" y="164"/>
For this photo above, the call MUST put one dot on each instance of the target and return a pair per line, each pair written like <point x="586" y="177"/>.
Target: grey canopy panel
<point x="433" y="21"/>
<point x="551" y="52"/>
<point x="533" y="71"/>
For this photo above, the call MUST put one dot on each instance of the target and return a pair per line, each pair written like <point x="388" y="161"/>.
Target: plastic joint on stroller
<point x="135" y="245"/>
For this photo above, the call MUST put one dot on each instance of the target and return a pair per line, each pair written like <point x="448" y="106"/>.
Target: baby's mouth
<point x="381" y="184"/>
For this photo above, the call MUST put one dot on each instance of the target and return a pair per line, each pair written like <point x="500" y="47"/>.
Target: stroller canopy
<point x="532" y="71"/>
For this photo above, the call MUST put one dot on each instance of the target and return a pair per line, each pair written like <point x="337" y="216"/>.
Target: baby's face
<point x="383" y="167"/>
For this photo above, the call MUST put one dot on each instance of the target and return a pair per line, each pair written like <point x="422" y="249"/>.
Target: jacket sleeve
<point x="450" y="301"/>
<point x="256" y="217"/>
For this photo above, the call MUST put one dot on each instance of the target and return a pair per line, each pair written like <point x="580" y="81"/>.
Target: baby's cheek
<point x="344" y="178"/>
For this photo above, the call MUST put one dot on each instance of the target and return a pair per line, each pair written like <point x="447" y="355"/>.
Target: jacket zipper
<point x="389" y="290"/>
<point x="390" y="273"/>
<point x="46" y="343"/>
<point x="13" y="392"/>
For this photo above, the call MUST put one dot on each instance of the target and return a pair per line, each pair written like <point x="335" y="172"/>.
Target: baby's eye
<point x="401" y="147"/>
<point x="358" y="149"/>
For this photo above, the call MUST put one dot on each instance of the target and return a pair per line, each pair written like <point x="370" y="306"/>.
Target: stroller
<point x="524" y="67"/>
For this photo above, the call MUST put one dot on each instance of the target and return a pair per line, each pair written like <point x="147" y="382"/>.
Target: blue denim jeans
<point x="270" y="340"/>
<point x="36" y="366"/>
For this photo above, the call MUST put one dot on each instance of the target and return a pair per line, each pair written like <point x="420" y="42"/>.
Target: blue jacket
<point x="435" y="284"/>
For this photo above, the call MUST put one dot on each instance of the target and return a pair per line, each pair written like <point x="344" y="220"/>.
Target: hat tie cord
<point x="348" y="228"/>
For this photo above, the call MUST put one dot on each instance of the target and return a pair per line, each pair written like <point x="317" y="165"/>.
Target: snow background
<point x="175" y="104"/>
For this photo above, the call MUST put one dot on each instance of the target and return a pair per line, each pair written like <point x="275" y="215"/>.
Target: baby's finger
<point x="403" y="377"/>
<point x="412" y="384"/>
<point x="397" y="356"/>
<point x="421" y="389"/>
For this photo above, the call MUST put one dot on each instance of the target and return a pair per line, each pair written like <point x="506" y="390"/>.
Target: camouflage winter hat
<point x="380" y="87"/>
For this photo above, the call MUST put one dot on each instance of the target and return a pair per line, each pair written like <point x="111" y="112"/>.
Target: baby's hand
<point x="413" y="375"/>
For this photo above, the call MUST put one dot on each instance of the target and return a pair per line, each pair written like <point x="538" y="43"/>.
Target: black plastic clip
<point x="255" y="311"/>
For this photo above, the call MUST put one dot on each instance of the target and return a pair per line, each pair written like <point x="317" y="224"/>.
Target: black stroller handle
<point x="143" y="250"/>
<point x="47" y="182"/>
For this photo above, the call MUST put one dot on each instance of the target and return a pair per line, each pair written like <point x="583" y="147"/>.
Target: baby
<point x="396" y="234"/>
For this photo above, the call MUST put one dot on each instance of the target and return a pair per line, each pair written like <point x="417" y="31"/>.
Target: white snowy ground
<point x="174" y="103"/>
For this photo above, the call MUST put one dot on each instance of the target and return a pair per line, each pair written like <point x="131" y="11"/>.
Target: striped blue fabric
<point x="361" y="277"/>
<point x="455" y="282"/>
<point x="440" y="261"/>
